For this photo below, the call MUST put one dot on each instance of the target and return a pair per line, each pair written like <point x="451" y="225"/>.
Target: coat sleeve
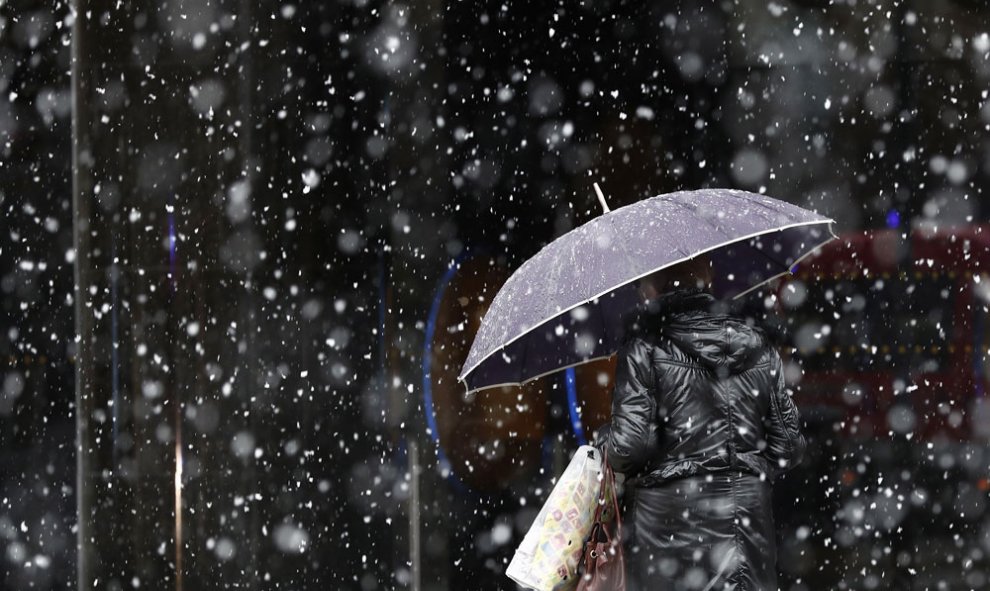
<point x="631" y="438"/>
<point x="785" y="443"/>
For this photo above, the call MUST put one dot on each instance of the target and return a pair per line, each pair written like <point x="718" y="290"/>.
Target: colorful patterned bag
<point x="548" y="557"/>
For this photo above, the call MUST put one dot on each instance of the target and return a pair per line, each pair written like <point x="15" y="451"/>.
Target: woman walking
<point x="701" y="425"/>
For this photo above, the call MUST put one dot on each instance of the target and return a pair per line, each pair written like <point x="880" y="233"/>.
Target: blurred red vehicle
<point x="890" y="327"/>
<point x="888" y="335"/>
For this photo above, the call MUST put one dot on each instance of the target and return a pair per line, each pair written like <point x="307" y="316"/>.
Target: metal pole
<point x="414" y="517"/>
<point x="80" y="230"/>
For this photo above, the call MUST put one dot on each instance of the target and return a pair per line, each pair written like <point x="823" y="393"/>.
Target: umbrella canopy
<point x="566" y="304"/>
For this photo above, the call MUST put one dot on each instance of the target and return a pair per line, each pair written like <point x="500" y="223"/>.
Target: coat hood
<point x="721" y="342"/>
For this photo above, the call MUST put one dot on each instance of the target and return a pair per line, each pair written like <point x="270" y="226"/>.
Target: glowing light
<point x="572" y="406"/>
<point x="893" y="218"/>
<point x="178" y="501"/>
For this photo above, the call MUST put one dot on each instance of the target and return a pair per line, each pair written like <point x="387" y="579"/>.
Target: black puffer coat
<point x="701" y="424"/>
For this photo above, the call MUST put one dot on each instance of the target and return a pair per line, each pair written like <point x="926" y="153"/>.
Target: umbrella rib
<point x="685" y="207"/>
<point x="757" y="202"/>
<point x="630" y="264"/>
<point x="524" y="359"/>
<point x="601" y="314"/>
<point x="714" y="226"/>
<point x="722" y="233"/>
<point x="787" y="272"/>
<point x="749" y="242"/>
<point x="551" y="294"/>
<point x="551" y="312"/>
<point x="768" y="257"/>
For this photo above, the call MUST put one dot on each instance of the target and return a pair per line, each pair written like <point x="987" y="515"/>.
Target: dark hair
<point x="694" y="272"/>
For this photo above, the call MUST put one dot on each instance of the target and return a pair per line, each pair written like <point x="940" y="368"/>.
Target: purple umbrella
<point x="565" y="305"/>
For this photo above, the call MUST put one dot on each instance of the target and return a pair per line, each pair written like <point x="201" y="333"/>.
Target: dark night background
<point x="226" y="227"/>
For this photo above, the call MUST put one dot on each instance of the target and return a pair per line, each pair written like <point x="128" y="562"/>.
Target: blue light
<point x="893" y="218"/>
<point x="572" y="406"/>
<point x="431" y="325"/>
<point x="428" y="410"/>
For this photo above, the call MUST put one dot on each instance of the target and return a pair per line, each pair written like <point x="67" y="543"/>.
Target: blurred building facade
<point x="259" y="204"/>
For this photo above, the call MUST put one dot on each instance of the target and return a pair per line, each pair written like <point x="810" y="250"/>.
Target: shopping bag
<point x="548" y="557"/>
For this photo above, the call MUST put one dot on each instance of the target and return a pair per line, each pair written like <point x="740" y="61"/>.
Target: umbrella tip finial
<point x="601" y="198"/>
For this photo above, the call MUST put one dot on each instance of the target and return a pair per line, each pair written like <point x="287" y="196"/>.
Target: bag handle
<point x="615" y="498"/>
<point x="608" y="477"/>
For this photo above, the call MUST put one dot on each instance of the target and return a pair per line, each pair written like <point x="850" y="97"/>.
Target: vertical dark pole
<point x="177" y="408"/>
<point x="415" y="520"/>
<point x="418" y="167"/>
<point x="83" y="323"/>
